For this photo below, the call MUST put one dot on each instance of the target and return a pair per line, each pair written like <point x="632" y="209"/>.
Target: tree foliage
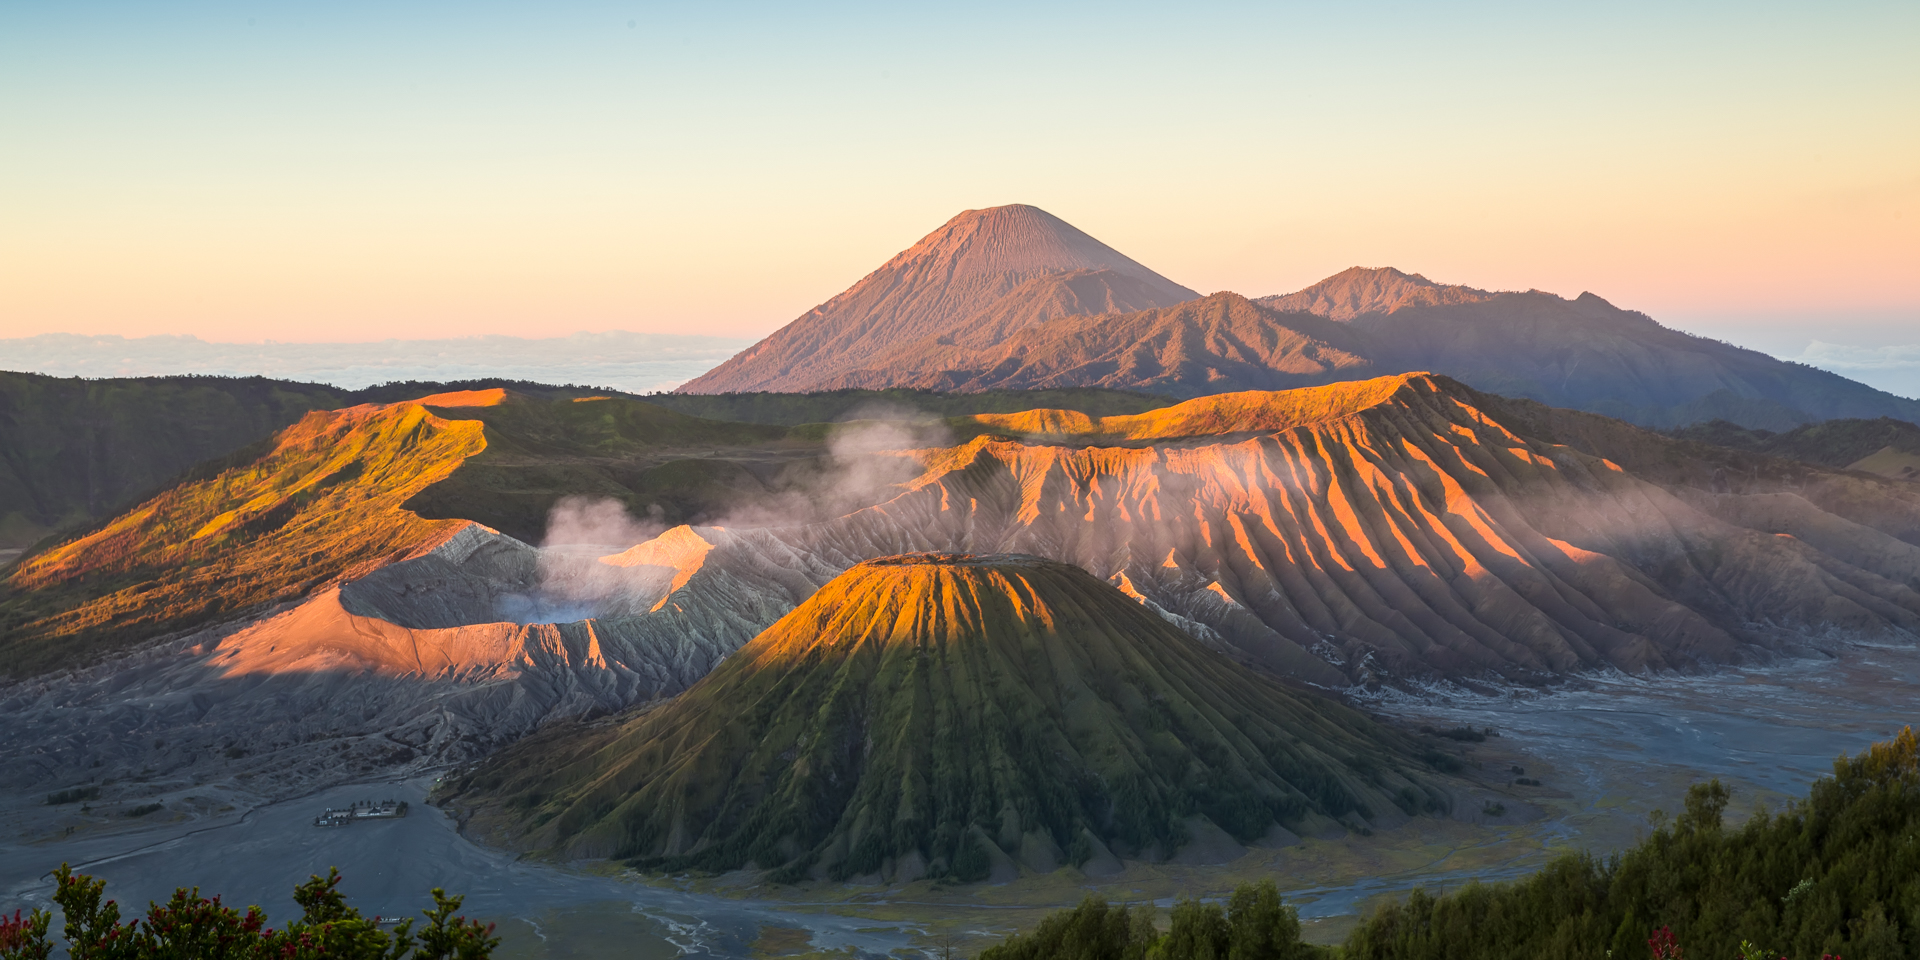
<point x="192" y="927"/>
<point x="1255" y="925"/>
<point x="1837" y="874"/>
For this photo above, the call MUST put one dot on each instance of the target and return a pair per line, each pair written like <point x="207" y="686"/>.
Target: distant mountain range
<point x="1013" y="298"/>
<point x="616" y="359"/>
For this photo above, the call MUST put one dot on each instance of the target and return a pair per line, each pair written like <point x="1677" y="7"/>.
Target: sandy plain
<point x="1607" y="750"/>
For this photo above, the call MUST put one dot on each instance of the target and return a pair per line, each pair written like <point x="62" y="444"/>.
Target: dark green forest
<point x="1835" y="875"/>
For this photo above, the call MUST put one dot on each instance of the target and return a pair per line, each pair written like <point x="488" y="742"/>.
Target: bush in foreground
<point x="1836" y="875"/>
<point x="1254" y="926"/>
<point x="191" y="926"/>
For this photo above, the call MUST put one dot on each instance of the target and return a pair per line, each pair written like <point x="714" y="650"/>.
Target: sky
<point x="361" y="171"/>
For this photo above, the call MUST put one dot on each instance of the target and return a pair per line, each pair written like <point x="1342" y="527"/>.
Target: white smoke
<point x="871" y="455"/>
<point x="869" y="458"/>
<point x="598" y="522"/>
<point x="570" y="582"/>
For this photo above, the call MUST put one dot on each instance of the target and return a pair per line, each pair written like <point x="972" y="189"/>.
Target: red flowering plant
<point x="1665" y="947"/>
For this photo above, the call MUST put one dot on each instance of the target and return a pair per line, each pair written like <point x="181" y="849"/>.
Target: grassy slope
<point x="337" y="492"/>
<point x="1835" y="443"/>
<point x="835" y="405"/>
<point x="322" y="501"/>
<point x="659" y="463"/>
<point x="913" y="707"/>
<point x="74" y="451"/>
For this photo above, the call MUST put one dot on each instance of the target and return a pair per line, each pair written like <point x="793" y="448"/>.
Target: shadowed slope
<point x="919" y="710"/>
<point x="1588" y="354"/>
<point x="1888" y="447"/>
<point x="1212" y="345"/>
<point x="1357" y="291"/>
<point x="1581" y="352"/>
<point x="930" y="289"/>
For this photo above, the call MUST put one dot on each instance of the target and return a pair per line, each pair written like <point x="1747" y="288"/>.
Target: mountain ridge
<point x="1033" y="331"/>
<point x="948" y="276"/>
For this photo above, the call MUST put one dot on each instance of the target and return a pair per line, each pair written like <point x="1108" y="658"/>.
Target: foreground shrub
<point x="1832" y="875"/>
<point x="1254" y="926"/>
<point x="1836" y="875"/>
<point x="191" y="926"/>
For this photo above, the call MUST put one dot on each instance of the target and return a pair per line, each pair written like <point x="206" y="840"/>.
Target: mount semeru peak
<point x="982" y="275"/>
<point x="950" y="715"/>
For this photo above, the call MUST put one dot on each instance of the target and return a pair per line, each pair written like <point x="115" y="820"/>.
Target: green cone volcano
<point x="919" y="711"/>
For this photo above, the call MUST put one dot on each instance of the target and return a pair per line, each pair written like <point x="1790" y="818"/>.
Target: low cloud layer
<point x="618" y="360"/>
<point x="1895" y="369"/>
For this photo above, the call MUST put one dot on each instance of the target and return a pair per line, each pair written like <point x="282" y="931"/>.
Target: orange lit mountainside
<point x="1400" y="526"/>
<point x="1361" y="532"/>
<point x="73" y="451"/>
<point x="983" y="275"/>
<point x="1058" y="330"/>
<point x="231" y="614"/>
<point x="949" y="716"/>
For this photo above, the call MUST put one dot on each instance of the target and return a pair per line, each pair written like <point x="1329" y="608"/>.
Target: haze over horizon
<point x="242" y="173"/>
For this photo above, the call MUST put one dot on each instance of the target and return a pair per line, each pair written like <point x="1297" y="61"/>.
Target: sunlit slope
<point x="939" y="285"/>
<point x="80" y="449"/>
<point x="936" y="714"/>
<point x="74" y="451"/>
<point x="323" y="502"/>
<point x="343" y="492"/>
<point x="1397" y="526"/>
<point x="656" y="462"/>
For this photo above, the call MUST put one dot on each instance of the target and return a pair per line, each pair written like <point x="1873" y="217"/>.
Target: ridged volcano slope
<point x="925" y="714"/>
<point x="1404" y="525"/>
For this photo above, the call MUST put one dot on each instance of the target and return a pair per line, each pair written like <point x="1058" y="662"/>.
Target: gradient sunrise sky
<point x="354" y="171"/>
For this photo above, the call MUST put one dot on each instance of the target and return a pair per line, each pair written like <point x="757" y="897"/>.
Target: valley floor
<point x="1607" y="751"/>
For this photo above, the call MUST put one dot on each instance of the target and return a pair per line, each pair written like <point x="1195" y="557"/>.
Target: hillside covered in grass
<point x="73" y="450"/>
<point x="344" y="491"/>
<point x="947" y="716"/>
<point x="831" y="406"/>
<point x="1884" y="446"/>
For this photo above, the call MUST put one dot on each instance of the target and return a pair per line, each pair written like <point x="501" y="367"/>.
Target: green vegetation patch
<point x="1834" y="443"/>
<point x="832" y="406"/>
<point x="946" y="718"/>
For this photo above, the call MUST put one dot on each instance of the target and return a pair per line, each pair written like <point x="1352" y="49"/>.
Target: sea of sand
<point x="1607" y="749"/>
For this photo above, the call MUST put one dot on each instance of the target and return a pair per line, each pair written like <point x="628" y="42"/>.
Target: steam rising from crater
<point x="868" y="458"/>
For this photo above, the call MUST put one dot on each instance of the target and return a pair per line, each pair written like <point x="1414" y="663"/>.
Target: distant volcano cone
<point x="939" y="714"/>
<point x="951" y="283"/>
